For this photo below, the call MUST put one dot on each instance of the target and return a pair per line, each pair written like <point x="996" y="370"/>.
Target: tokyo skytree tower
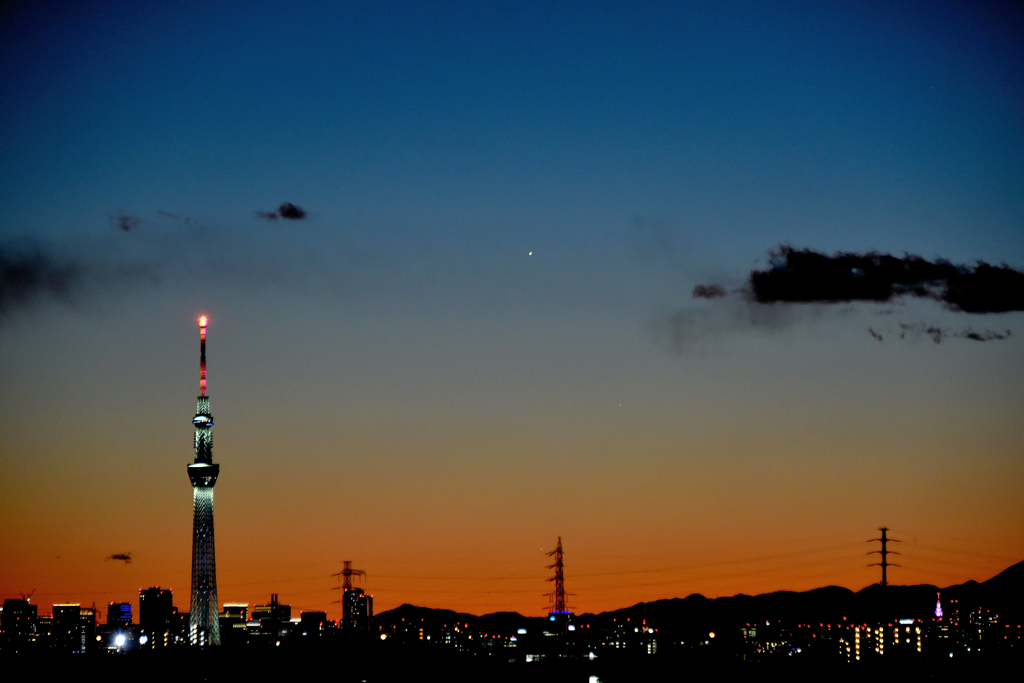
<point x="204" y="628"/>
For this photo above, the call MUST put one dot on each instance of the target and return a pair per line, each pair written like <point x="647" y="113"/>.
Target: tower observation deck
<point x="204" y="628"/>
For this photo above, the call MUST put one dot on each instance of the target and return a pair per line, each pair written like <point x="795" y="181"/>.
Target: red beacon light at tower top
<point x="202" y="355"/>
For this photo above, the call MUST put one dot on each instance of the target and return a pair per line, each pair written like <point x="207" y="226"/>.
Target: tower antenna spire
<point x="202" y="355"/>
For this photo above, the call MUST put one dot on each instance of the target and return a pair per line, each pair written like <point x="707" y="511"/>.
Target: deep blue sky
<point x="864" y="127"/>
<point x="402" y="343"/>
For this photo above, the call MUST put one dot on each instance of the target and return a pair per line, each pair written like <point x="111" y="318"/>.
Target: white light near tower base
<point x="119" y="640"/>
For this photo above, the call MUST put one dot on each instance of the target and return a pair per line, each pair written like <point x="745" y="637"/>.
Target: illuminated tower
<point x="204" y="628"/>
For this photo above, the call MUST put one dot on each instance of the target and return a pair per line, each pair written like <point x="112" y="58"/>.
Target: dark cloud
<point x="806" y="276"/>
<point x="987" y="335"/>
<point x="32" y="271"/>
<point x="711" y="291"/>
<point x="29" y="272"/>
<point x="732" y="315"/>
<point x="125" y="221"/>
<point x="123" y="557"/>
<point x="938" y="334"/>
<point x="287" y="210"/>
<point x="175" y="216"/>
<point x="291" y="212"/>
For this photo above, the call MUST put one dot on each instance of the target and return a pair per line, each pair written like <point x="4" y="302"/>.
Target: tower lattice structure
<point x="558" y="611"/>
<point x="204" y="628"/>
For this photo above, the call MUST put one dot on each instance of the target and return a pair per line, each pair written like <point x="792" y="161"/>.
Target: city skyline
<point x="483" y="277"/>
<point x="916" y="627"/>
<point x="358" y="614"/>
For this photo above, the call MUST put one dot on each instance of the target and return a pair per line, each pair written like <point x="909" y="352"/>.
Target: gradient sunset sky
<point x="481" y="335"/>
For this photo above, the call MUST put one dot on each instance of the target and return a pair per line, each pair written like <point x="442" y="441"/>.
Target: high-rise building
<point x="67" y="629"/>
<point x="313" y="624"/>
<point x="74" y="627"/>
<point x="232" y="623"/>
<point x="356" y="610"/>
<point x="268" y="623"/>
<point x="237" y="609"/>
<point x="204" y="628"/>
<point x="356" y="606"/>
<point x="156" y="616"/>
<point x="119" y="614"/>
<point x="273" y="618"/>
<point x="87" y="627"/>
<point x="17" y="624"/>
<point x="179" y="628"/>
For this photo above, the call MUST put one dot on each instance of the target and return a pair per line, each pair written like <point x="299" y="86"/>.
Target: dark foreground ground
<point x="411" y="666"/>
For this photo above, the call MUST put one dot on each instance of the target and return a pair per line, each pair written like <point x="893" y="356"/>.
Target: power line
<point x="1000" y="558"/>
<point x="701" y="565"/>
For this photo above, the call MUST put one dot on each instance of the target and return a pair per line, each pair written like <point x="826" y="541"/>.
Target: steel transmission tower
<point x="884" y="552"/>
<point x="204" y="628"/>
<point x="558" y="612"/>
<point x="347" y="573"/>
<point x="356" y="606"/>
